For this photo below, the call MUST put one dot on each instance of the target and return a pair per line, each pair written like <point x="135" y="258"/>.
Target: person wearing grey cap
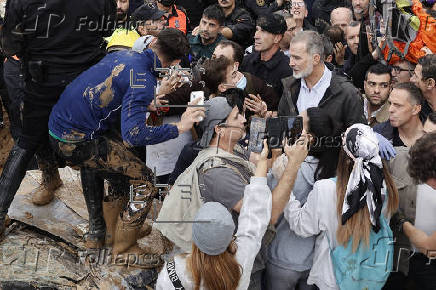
<point x="148" y="19"/>
<point x="218" y="261"/>
<point x="268" y="62"/>
<point x="218" y="174"/>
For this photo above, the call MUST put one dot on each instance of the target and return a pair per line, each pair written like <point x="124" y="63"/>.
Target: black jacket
<point x="194" y="10"/>
<point x="60" y="34"/>
<point x="356" y="69"/>
<point x="341" y="100"/>
<point x="271" y="71"/>
<point x="242" y="26"/>
<point x="261" y="8"/>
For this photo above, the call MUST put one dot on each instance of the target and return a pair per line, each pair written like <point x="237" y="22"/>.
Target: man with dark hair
<point x="404" y="126"/>
<point x="268" y="62"/>
<point x="414" y="225"/>
<point x="300" y="12"/>
<point x="238" y="25"/>
<point x="48" y="66"/>
<point x="290" y="32"/>
<point x="425" y="78"/>
<point x="377" y="87"/>
<point x="314" y="85"/>
<point x="175" y="17"/>
<point x="402" y="71"/>
<point x="96" y="131"/>
<point x="423" y="159"/>
<point x="125" y="9"/>
<point x="148" y="20"/>
<point x="245" y="80"/>
<point x="430" y="123"/>
<point x="194" y="10"/>
<point x="402" y="130"/>
<point x="207" y="35"/>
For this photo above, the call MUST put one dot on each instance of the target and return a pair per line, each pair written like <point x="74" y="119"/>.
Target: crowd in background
<point x="169" y="92"/>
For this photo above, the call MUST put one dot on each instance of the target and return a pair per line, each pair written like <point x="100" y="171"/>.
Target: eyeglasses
<point x="399" y="69"/>
<point x="298" y="4"/>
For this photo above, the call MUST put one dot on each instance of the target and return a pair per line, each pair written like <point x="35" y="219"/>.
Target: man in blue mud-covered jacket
<point x="101" y="115"/>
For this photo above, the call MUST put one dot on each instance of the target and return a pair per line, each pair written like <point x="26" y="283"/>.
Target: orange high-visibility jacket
<point x="177" y="19"/>
<point x="426" y="36"/>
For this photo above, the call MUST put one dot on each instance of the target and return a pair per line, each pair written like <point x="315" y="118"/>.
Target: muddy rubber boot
<point x="126" y="233"/>
<point x="10" y="180"/>
<point x="45" y="193"/>
<point x="112" y="208"/>
<point x="93" y="191"/>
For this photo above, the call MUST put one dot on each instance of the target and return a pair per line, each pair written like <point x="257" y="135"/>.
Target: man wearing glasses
<point x="402" y="71"/>
<point x="300" y="13"/>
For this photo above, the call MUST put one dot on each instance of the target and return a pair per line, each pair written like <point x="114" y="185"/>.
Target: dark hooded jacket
<point x="342" y="100"/>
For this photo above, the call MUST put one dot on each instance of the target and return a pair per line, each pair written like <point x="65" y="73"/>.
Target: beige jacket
<point x="407" y="193"/>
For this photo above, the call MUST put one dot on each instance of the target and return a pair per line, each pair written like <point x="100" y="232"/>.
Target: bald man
<point x="342" y="17"/>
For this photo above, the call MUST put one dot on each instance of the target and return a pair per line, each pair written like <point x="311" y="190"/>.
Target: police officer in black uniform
<point x="56" y="40"/>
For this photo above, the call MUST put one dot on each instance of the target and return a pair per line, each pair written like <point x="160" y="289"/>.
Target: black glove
<point x="397" y="221"/>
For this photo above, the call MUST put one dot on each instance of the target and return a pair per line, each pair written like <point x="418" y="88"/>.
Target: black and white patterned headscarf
<point x="366" y="180"/>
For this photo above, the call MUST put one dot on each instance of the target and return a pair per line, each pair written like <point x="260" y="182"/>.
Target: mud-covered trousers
<point x="108" y="158"/>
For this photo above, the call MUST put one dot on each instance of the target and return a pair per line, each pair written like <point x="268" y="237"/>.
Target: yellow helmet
<point x="121" y="39"/>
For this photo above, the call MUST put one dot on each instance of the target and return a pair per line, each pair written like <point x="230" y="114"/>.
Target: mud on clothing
<point x="119" y="87"/>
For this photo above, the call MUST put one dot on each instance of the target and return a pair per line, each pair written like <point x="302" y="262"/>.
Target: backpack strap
<point x="171" y="268"/>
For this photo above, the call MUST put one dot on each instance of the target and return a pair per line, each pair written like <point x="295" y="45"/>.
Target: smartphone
<point x="197" y="94"/>
<point x="257" y="134"/>
<point x="194" y="96"/>
<point x="295" y="128"/>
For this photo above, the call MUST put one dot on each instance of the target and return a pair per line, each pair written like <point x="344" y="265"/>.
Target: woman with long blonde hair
<point x="348" y="209"/>
<point x="218" y="260"/>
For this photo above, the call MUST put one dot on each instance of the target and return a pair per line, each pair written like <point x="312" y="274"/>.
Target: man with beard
<point x="314" y="85"/>
<point x="206" y="36"/>
<point x="124" y="9"/>
<point x="377" y="88"/>
<point x="238" y="24"/>
<point x="175" y="17"/>
<point x="360" y="9"/>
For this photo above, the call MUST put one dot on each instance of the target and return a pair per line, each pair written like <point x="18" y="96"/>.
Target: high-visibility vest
<point x="426" y="36"/>
<point x="179" y="22"/>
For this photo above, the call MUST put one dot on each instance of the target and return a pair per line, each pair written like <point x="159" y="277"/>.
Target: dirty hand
<point x="170" y="84"/>
<point x="298" y="151"/>
<point x="191" y="116"/>
<point x="158" y="101"/>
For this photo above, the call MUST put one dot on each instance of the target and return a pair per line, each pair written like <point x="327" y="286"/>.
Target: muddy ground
<point x="6" y="142"/>
<point x="43" y="248"/>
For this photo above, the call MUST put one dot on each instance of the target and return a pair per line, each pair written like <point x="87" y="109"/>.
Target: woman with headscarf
<point x="348" y="209"/>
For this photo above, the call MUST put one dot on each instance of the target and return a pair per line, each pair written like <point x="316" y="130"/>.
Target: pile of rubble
<point x="44" y="245"/>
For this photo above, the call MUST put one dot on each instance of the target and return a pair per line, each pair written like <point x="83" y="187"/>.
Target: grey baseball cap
<point x="217" y="109"/>
<point x="213" y="228"/>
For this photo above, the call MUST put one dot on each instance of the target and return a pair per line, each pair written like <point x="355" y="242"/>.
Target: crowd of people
<point x="165" y="94"/>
